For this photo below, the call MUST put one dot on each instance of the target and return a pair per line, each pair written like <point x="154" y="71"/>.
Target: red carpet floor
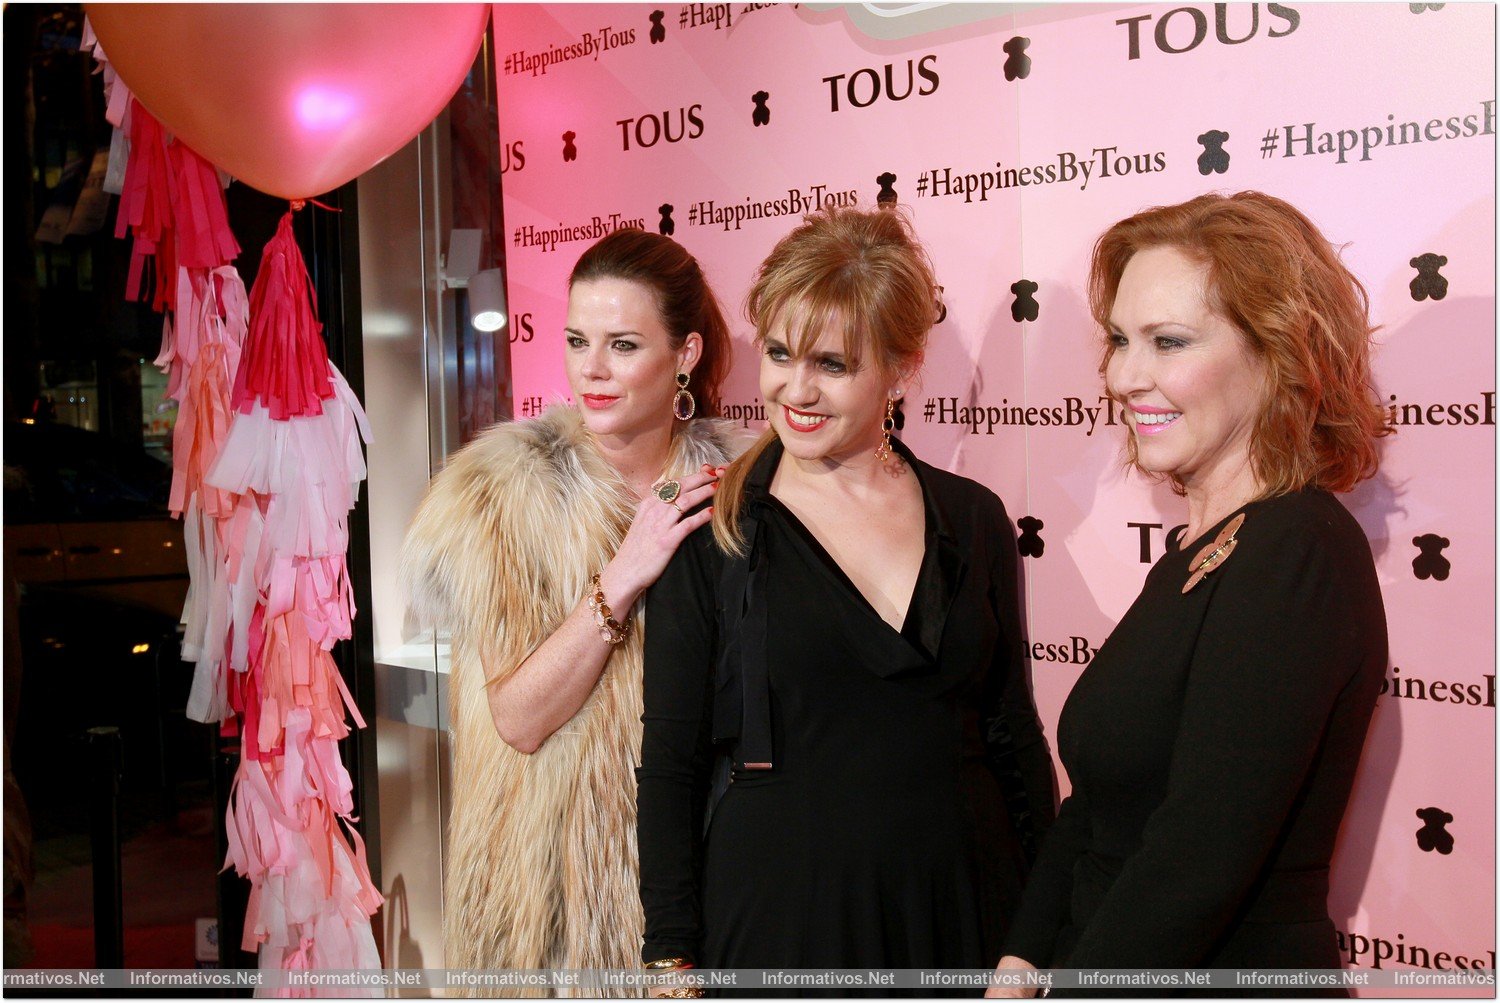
<point x="145" y="946"/>
<point x="169" y="870"/>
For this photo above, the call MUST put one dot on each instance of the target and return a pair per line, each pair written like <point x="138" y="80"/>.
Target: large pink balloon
<point x="292" y="99"/>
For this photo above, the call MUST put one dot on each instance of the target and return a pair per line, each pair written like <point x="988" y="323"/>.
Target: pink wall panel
<point x="1160" y="109"/>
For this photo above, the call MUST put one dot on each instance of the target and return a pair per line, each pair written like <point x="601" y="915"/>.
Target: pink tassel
<point x="285" y="365"/>
<point x="208" y="342"/>
<point x="146" y="208"/>
<point x="204" y="239"/>
<point x="116" y="94"/>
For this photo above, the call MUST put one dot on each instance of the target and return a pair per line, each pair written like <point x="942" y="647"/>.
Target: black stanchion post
<point x="104" y="838"/>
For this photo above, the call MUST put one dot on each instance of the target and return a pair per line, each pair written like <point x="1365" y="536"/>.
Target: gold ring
<point x="668" y="491"/>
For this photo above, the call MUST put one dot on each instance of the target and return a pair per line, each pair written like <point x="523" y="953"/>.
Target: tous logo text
<point x="520" y="327"/>
<point x="513" y="157"/>
<point x="1174" y="537"/>
<point x="863" y="87"/>
<point x="673" y="126"/>
<point x="1183" y="29"/>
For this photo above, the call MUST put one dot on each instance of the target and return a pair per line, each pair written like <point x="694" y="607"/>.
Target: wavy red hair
<point x="1276" y="278"/>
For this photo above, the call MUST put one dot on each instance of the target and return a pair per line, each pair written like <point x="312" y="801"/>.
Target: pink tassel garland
<point x="267" y="461"/>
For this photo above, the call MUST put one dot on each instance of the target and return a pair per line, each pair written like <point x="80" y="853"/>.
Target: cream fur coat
<point x="541" y="865"/>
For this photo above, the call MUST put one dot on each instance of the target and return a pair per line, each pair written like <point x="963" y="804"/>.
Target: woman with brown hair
<point x="835" y="668"/>
<point x="1212" y="742"/>
<point x="534" y="545"/>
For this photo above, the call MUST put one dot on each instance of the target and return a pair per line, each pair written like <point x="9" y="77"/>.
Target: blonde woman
<point x="844" y="642"/>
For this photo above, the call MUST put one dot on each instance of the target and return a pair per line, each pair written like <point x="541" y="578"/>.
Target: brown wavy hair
<point x="1276" y="278"/>
<point x="684" y="300"/>
<point x="863" y="272"/>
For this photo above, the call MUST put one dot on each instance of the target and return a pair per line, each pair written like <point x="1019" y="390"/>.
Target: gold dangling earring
<point x="883" y="451"/>
<point x="683" y="401"/>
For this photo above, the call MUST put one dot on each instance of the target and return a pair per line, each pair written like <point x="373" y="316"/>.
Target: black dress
<point x="907" y="768"/>
<point x="1211" y="746"/>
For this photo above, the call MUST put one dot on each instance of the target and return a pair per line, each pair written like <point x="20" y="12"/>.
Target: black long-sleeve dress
<point x="907" y="768"/>
<point x="1211" y="746"/>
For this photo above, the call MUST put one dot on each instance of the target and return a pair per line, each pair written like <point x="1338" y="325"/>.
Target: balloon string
<point x="297" y="205"/>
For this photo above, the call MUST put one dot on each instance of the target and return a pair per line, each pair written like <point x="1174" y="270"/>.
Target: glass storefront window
<point x="432" y="382"/>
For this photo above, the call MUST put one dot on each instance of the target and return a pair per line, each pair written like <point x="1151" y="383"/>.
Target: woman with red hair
<point x="1213" y="741"/>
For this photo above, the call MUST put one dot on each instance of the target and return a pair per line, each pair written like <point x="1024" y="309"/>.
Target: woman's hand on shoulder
<point x="1011" y="963"/>
<point x="655" y="533"/>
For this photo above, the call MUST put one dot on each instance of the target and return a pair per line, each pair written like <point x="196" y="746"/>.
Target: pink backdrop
<point x="611" y="116"/>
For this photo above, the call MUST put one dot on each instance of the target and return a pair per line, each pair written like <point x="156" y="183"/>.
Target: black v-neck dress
<point x="906" y="770"/>
<point x="1212" y="746"/>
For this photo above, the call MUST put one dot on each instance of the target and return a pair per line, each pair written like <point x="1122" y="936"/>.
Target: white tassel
<point x="309" y="467"/>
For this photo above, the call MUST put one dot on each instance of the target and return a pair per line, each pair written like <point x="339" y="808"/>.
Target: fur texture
<point x="541" y="865"/>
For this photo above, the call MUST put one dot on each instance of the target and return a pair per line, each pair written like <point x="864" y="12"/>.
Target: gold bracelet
<point x="610" y="629"/>
<point x="664" y="964"/>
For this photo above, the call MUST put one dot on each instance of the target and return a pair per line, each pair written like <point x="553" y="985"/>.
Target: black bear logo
<point x="942" y="307"/>
<point x="1431" y="563"/>
<point x="1428" y="284"/>
<point x="1432" y="835"/>
<point x="666" y="227"/>
<point x="658" y="31"/>
<point x="570" y="152"/>
<point x="1214" y="159"/>
<point x="1017" y="63"/>
<point x="887" y="194"/>
<point x="1417" y="8"/>
<point x="1025" y="307"/>
<point x="761" y="115"/>
<point x="1029" y="542"/>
